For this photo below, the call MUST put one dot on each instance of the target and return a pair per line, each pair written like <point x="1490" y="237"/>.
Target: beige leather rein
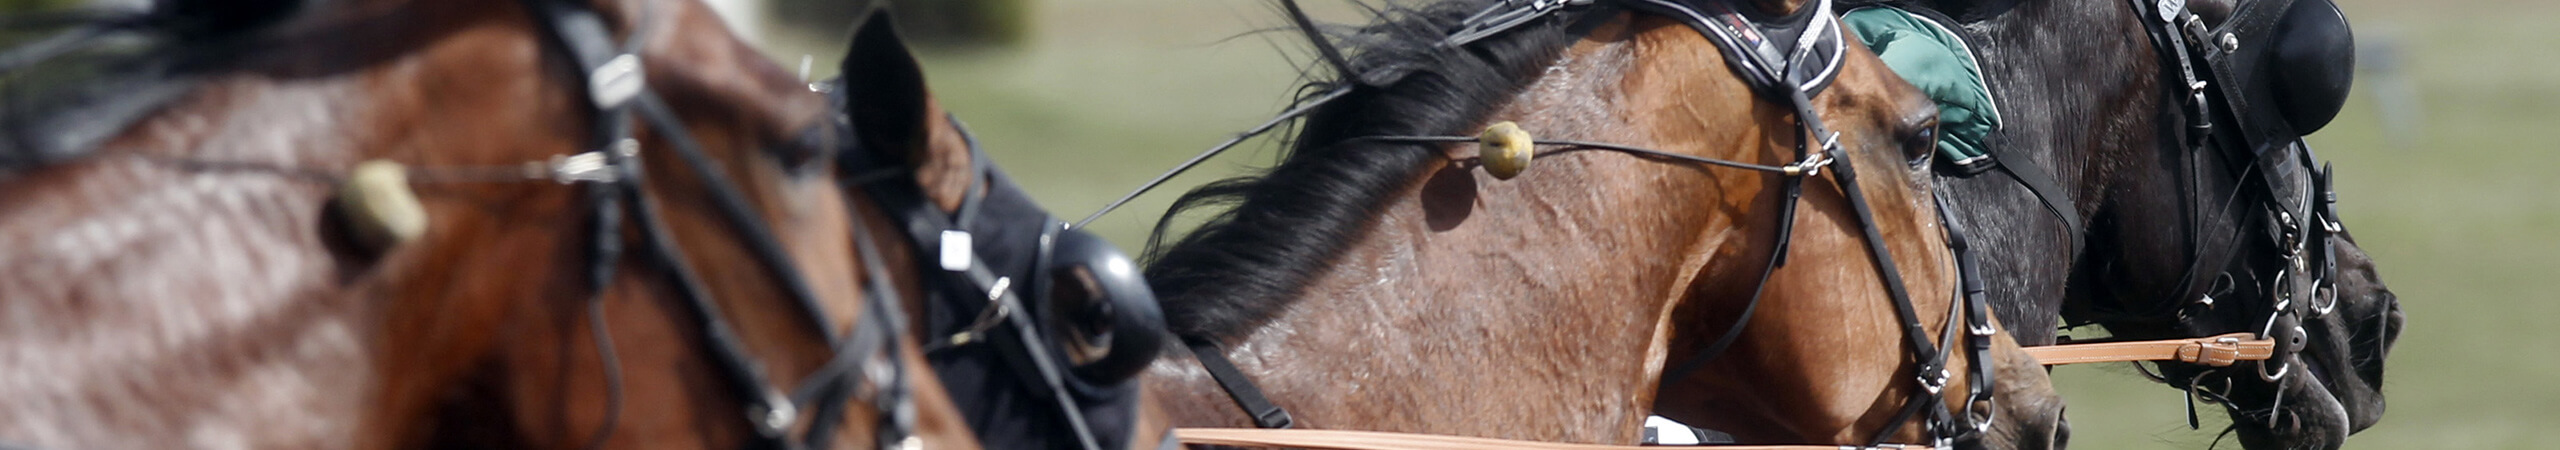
<point x="2217" y="351"/>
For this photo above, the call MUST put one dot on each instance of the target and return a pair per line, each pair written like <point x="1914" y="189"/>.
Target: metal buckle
<point x="587" y="167"/>
<point x="615" y="82"/>
<point x="2193" y="25"/>
<point x="2195" y="93"/>
<point x="773" y="416"/>
<point x="987" y="319"/>
<point x="2320" y="290"/>
<point x="1813" y="162"/>
<point x="1502" y="17"/>
<point x="2281" y="370"/>
<point x="1987" y="415"/>
<point x="958" y="250"/>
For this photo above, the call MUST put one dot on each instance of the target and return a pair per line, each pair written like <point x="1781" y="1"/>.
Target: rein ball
<point x="1505" y="150"/>
<point x="376" y="205"/>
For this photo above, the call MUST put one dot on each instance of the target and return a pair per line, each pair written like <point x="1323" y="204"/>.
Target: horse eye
<point x="802" y="154"/>
<point x="1921" y="145"/>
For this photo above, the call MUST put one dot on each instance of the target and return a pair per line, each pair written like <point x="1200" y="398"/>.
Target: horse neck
<point x="209" y="284"/>
<point x="190" y="254"/>
<point x="2086" y="127"/>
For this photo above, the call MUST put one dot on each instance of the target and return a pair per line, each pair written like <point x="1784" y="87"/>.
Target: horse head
<point x="1560" y="205"/>
<point x="1037" y="330"/>
<point x="1748" y="370"/>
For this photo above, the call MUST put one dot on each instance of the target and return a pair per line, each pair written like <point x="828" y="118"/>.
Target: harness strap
<point x="1025" y="348"/>
<point x="2217" y="351"/>
<point x="1378" y="440"/>
<point x="1932" y="370"/>
<point x="1793" y="189"/>
<point x="1982" y="383"/>
<point x="613" y="82"/>
<point x="1238" y="386"/>
<point x="2040" y="183"/>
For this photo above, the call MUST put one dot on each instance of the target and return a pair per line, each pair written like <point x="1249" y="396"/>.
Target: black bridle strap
<point x="1017" y="339"/>
<point x="875" y="335"/>
<point x="616" y="92"/>
<point x="1932" y="370"/>
<point x="583" y="35"/>
<point x="2039" y="182"/>
<point x="1239" y="387"/>
<point x="1978" y="329"/>
<point x="1793" y="190"/>
<point x="759" y="238"/>
<point x="743" y="375"/>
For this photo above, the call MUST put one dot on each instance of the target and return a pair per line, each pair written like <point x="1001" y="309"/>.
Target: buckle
<point x="957" y="251"/>
<point x="615" y="82"/>
<point x="587" y="167"/>
<point x="1502" y="17"/>
<point x="773" y="415"/>
<point x="2222" y="352"/>
<point x="1275" y="419"/>
<point x="1813" y="162"/>
<point x="2169" y="10"/>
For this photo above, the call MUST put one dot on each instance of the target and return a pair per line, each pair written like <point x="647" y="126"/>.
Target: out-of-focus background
<point x="2447" y="175"/>
<point x="2445" y="172"/>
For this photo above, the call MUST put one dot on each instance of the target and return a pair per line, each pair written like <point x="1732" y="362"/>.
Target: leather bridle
<point x="868" y="356"/>
<point x="612" y="175"/>
<point x="2224" y="112"/>
<point x="1005" y="309"/>
<point x="1790" y="63"/>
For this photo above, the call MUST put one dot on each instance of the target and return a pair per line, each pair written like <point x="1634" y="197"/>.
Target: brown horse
<point x="174" y="271"/>
<point x="1388" y="286"/>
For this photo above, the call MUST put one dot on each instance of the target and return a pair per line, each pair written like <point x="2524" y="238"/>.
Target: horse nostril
<point x="2062" y="434"/>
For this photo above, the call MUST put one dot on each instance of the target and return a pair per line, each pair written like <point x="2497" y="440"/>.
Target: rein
<point x="1374" y="440"/>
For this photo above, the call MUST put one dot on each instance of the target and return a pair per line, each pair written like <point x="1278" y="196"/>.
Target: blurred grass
<point x="2462" y="222"/>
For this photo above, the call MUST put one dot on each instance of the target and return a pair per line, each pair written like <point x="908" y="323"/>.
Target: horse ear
<point x="884" y="89"/>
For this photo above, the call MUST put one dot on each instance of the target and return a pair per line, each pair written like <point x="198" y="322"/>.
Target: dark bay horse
<point x="2093" y="101"/>
<point x="1390" y="286"/>
<point x="181" y="266"/>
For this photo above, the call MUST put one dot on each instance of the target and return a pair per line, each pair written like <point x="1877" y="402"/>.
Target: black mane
<point x="94" y="73"/>
<point x="1244" y="266"/>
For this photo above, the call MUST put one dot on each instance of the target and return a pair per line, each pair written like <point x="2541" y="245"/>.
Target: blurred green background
<point x="2445" y="176"/>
